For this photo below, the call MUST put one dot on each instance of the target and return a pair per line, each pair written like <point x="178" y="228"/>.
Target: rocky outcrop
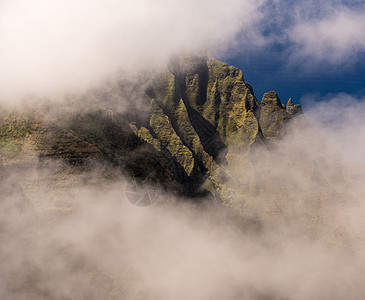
<point x="206" y="116"/>
<point x="203" y="118"/>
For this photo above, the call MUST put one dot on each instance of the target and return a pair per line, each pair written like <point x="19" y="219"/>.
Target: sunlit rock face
<point x="203" y="120"/>
<point x="206" y="119"/>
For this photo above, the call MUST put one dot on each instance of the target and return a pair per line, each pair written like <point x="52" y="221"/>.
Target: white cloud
<point x="333" y="38"/>
<point x="298" y="238"/>
<point x="50" y="46"/>
<point x="308" y="33"/>
<point x="340" y="120"/>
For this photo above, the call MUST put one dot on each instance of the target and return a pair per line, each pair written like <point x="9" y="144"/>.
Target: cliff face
<point x="203" y="120"/>
<point x="207" y="118"/>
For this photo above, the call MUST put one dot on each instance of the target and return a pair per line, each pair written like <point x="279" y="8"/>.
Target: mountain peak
<point x="203" y="117"/>
<point x="271" y="98"/>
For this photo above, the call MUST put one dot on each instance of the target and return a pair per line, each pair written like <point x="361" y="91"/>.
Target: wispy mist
<point x="49" y="48"/>
<point x="299" y="235"/>
<point x="335" y="38"/>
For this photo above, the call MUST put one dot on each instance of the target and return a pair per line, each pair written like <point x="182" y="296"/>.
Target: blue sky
<point x="265" y="72"/>
<point x="305" y="48"/>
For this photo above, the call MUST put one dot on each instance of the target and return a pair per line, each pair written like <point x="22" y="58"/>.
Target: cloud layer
<point x="334" y="38"/>
<point x="48" y="46"/>
<point x="300" y="238"/>
<point x="339" y="118"/>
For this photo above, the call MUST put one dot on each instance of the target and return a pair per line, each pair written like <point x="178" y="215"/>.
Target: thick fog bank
<point x="300" y="237"/>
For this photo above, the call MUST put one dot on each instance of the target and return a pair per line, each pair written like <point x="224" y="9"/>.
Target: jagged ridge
<point x="203" y="118"/>
<point x="205" y="115"/>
